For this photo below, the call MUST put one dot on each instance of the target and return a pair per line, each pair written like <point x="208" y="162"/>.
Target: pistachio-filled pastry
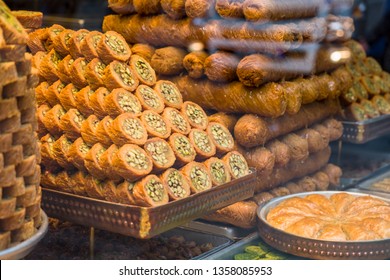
<point x="150" y="192"/>
<point x="131" y="162"/>
<point x="64" y="69"/>
<point x="198" y="176"/>
<point x="370" y="108"/>
<point x="61" y="42"/>
<point x="52" y="94"/>
<point x="77" y="72"/>
<point x="124" y="193"/>
<point x="48" y="68"/>
<point x="118" y="74"/>
<point x="176" y="184"/>
<point x="202" y="144"/>
<point x="97" y="102"/>
<point x="47" y="153"/>
<point x="40" y="91"/>
<point x="170" y="93"/>
<point x="127" y="129"/>
<point x="218" y="170"/>
<point x="92" y="161"/>
<point x="88" y="130"/>
<point x="77" y="152"/>
<point x="67" y="96"/>
<point x="195" y="115"/>
<point x="382" y="104"/>
<point x="161" y="154"/>
<point x="121" y="101"/>
<point x="176" y="121"/>
<point x="221" y="137"/>
<point x="75" y="43"/>
<point x="60" y="151"/>
<point x="155" y="124"/>
<point x="142" y="70"/>
<point x="112" y="46"/>
<point x="52" y="120"/>
<point x="71" y="123"/>
<point x="182" y="148"/>
<point x="150" y="99"/>
<point x="102" y="133"/>
<point x="106" y="163"/>
<point x="89" y="44"/>
<point x="236" y="163"/>
<point x="94" y="73"/>
<point x="83" y="101"/>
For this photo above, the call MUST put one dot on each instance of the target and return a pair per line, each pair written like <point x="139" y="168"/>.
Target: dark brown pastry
<point x="41" y="115"/>
<point x="150" y="7"/>
<point x="218" y="171"/>
<point x="88" y="130"/>
<point x="120" y="75"/>
<point x="198" y="176"/>
<point x="237" y="165"/>
<point x="75" y="43"/>
<point x="155" y="124"/>
<point x="168" y="60"/>
<point x="102" y="133"/>
<point x="150" y="99"/>
<point x="299" y="148"/>
<point x="142" y="70"/>
<point x="230" y="8"/>
<point x="70" y="124"/>
<point x="94" y="187"/>
<point x="94" y="73"/>
<point x="182" y="148"/>
<point x="170" y="93"/>
<point x="161" y="154"/>
<point x="334" y="173"/>
<point x="106" y="163"/>
<point x="194" y="63"/>
<point x="280" y="191"/>
<point x="127" y="129"/>
<point x="221" y="66"/>
<point x="83" y="101"/>
<point x="322" y="181"/>
<point x="199" y="8"/>
<point x="89" y="44"/>
<point x="262" y="197"/>
<point x="314" y="139"/>
<point x="176" y="184"/>
<point x="121" y="101"/>
<point x="335" y="128"/>
<point x="97" y="100"/>
<point x="112" y="46"/>
<point x="175" y="9"/>
<point x="122" y="7"/>
<point x="131" y="162"/>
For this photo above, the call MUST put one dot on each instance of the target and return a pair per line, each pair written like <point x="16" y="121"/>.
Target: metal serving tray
<point x="364" y="131"/>
<point x="144" y="222"/>
<point x="22" y="249"/>
<point x="319" y="249"/>
<point x="375" y="177"/>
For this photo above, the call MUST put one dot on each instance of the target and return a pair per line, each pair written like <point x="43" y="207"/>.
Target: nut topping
<point x="156" y="122"/>
<point x="136" y="159"/>
<point x="183" y="146"/>
<point x="155" y="190"/>
<point x="202" y="141"/>
<point x="175" y="183"/>
<point x="133" y="128"/>
<point x="199" y="178"/>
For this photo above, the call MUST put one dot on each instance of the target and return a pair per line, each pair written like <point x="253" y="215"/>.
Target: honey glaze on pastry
<point x="340" y="217"/>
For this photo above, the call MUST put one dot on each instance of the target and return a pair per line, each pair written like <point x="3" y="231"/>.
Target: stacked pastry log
<point x="20" y="193"/>
<point x="369" y="96"/>
<point x="109" y="130"/>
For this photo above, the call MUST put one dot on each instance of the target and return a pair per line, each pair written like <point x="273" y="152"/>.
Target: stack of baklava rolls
<point x="20" y="192"/>
<point x="273" y="72"/>
<point x="109" y="129"/>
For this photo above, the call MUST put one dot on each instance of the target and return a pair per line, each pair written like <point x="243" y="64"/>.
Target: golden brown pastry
<point x="119" y="75"/>
<point x="221" y="137"/>
<point x="199" y="8"/>
<point x="147" y="7"/>
<point x="122" y="7"/>
<point x="260" y="158"/>
<point x="106" y="163"/>
<point x="112" y="46"/>
<point x="150" y="192"/>
<point x="182" y="148"/>
<point x="60" y="151"/>
<point x="218" y="171"/>
<point x="150" y="99"/>
<point x="102" y="131"/>
<point x="193" y="62"/>
<point x="127" y="129"/>
<point x="175" y="9"/>
<point x="161" y="154"/>
<point x="299" y="147"/>
<point x="144" y="50"/>
<point x="198" y="176"/>
<point x="175" y="183"/>
<point x="121" y="101"/>
<point x="88" y="130"/>
<point x="92" y="161"/>
<point x="94" y="73"/>
<point x="155" y="124"/>
<point x="176" y="121"/>
<point x="236" y="163"/>
<point x="75" y="43"/>
<point x="83" y="101"/>
<point x="67" y="95"/>
<point x="61" y="43"/>
<point x="89" y="44"/>
<point x="202" y="143"/>
<point x="168" y="60"/>
<point x="280" y="150"/>
<point x="52" y="120"/>
<point x="77" y="152"/>
<point x="170" y="93"/>
<point x="70" y="124"/>
<point x="142" y="70"/>
<point x="64" y="69"/>
<point x="97" y="102"/>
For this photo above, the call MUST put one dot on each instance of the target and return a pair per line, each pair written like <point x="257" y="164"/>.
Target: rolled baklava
<point x="40" y="92"/>
<point x="106" y="163"/>
<point x="60" y="151"/>
<point x="97" y="100"/>
<point x="150" y="191"/>
<point x="195" y="115"/>
<point x="202" y="144"/>
<point x="48" y="68"/>
<point x="161" y="154"/>
<point x="75" y="43"/>
<point x="83" y="101"/>
<point x="155" y="124"/>
<point x="92" y="161"/>
<point x="218" y="171"/>
<point x="94" y="73"/>
<point x="182" y="148"/>
<point x="88" y="130"/>
<point x="176" y="184"/>
<point x="176" y="121"/>
<point x="77" y="152"/>
<point x="52" y="120"/>
<point x="221" y="137"/>
<point x="150" y="99"/>
<point x="143" y="71"/>
<point x="121" y="101"/>
<point x="47" y="153"/>
<point x="77" y="72"/>
<point x="112" y="46"/>
<point x="118" y="74"/>
<point x="52" y="94"/>
<point x="102" y="133"/>
<point x="67" y="96"/>
<point x="71" y="123"/>
<point x="237" y="165"/>
<point x="124" y="193"/>
<point x="198" y="176"/>
<point x="170" y="93"/>
<point x="61" y="42"/>
<point x="88" y="46"/>
<point x="64" y="69"/>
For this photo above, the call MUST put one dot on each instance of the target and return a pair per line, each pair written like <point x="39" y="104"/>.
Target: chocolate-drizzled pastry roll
<point x="299" y="148"/>
<point x="112" y="46"/>
<point x="88" y="130"/>
<point x="170" y="93"/>
<point x="83" y="101"/>
<point x="47" y="153"/>
<point x="175" y="9"/>
<point x="131" y="162"/>
<point x="236" y="164"/>
<point x="102" y="131"/>
<point x="77" y="152"/>
<point x="77" y="72"/>
<point x="142" y="70"/>
<point x="370" y="109"/>
<point x="64" y="69"/>
<point x="71" y="122"/>
<point x="61" y="42"/>
<point x="195" y="115"/>
<point x="221" y="137"/>
<point x="382" y="104"/>
<point x="176" y="121"/>
<point x="98" y="102"/>
<point x="198" y="176"/>
<point x="168" y="60"/>
<point x="221" y="66"/>
<point x="160" y="152"/>
<point x="124" y="193"/>
<point x="230" y="8"/>
<point x="194" y="63"/>
<point x="60" y="151"/>
<point x="150" y="191"/>
<point x="41" y="115"/>
<point x="183" y="149"/>
<point x="127" y="129"/>
<point x="53" y="92"/>
<point x="75" y="43"/>
<point x="92" y="161"/>
<point x="52" y="120"/>
<point x="150" y="99"/>
<point x="121" y="101"/>
<point x="218" y="171"/>
<point x="155" y="124"/>
<point x="89" y="44"/>
<point x="144" y="50"/>
<point x="52" y="32"/>
<point x="176" y="184"/>
<point x="40" y="91"/>
<point x="260" y="158"/>
<point x="106" y="163"/>
<point x="67" y="96"/>
<point x="48" y="67"/>
<point x="200" y="8"/>
<point x="119" y="75"/>
<point x="202" y="144"/>
<point x="94" y="73"/>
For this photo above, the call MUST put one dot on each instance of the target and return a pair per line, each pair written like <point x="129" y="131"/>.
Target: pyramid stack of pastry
<point x="265" y="67"/>
<point x="20" y="193"/>
<point x="110" y="130"/>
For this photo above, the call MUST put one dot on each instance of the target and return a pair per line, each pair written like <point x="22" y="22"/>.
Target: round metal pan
<point x="315" y="248"/>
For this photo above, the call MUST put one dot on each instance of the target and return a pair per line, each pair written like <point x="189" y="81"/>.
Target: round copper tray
<point x="319" y="249"/>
